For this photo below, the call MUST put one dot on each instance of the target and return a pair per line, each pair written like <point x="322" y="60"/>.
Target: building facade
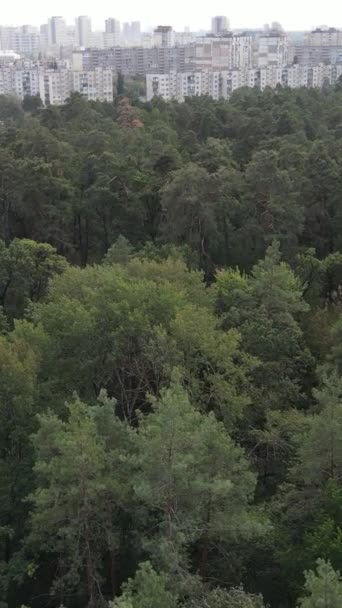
<point x="95" y="85"/>
<point x="221" y="84"/>
<point x="272" y="50"/>
<point x="54" y="86"/>
<point x="163" y="36"/>
<point x="57" y="31"/>
<point x="219" y="25"/>
<point x="83" y="31"/>
<point x="136" y="60"/>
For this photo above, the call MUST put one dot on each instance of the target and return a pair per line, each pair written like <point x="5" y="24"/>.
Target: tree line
<point x="170" y="352"/>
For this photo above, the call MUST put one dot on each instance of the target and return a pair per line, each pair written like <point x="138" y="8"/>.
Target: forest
<point x="171" y="352"/>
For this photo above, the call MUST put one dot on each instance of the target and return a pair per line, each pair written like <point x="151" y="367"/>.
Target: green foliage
<point x="120" y="252"/>
<point x="148" y="589"/>
<point x="321" y="450"/>
<point x="18" y="367"/>
<point x="10" y="108"/>
<point x="32" y="103"/>
<point x="25" y="270"/>
<point x="120" y="84"/>
<point x="220" y="598"/>
<point x="80" y="490"/>
<point x="186" y="260"/>
<point x="323" y="588"/>
<point x="124" y="328"/>
<point x="310" y="506"/>
<point x="200" y="483"/>
<point x="265" y="308"/>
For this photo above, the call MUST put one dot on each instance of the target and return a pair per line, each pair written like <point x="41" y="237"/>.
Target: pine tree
<point x="323" y="588"/>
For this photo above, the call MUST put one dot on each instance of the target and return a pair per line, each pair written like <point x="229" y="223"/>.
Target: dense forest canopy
<point x="170" y="352"/>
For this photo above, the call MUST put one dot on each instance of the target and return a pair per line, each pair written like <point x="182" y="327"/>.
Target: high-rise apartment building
<point x="71" y="36"/>
<point x="24" y="40"/>
<point x="5" y="38"/>
<point x="44" y="36"/>
<point x="163" y="36"/>
<point x="323" y="45"/>
<point x="97" y="40"/>
<point x="112" y="26"/>
<point x="272" y="49"/>
<point x="83" y="31"/>
<point x="228" y="52"/>
<point x="112" y="34"/>
<point x="219" y="25"/>
<point x="136" y="32"/>
<point x="57" y="31"/>
<point x="329" y="36"/>
<point x="131" y="33"/>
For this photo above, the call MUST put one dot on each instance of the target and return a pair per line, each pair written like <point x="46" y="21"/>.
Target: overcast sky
<point x="292" y="14"/>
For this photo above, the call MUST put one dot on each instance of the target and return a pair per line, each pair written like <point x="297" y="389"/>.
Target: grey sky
<point x="293" y="14"/>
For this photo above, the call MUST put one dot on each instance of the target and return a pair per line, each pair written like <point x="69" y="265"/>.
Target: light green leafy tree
<point x="147" y="589"/>
<point x="222" y="598"/>
<point x="323" y="588"/>
<point x="125" y="327"/>
<point x="321" y="450"/>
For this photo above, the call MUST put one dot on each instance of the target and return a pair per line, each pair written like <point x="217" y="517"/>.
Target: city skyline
<point x="293" y="15"/>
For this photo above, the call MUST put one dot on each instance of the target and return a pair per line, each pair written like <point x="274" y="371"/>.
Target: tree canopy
<point x="170" y="351"/>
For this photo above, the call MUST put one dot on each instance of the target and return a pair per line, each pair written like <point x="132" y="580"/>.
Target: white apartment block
<point x="296" y="76"/>
<point x="28" y="83"/>
<point x="55" y="86"/>
<point x="184" y="38"/>
<point x="57" y="31"/>
<point x="23" y="40"/>
<point x="163" y="36"/>
<point x="219" y="25"/>
<point x="217" y="84"/>
<point x="112" y="26"/>
<point x="270" y="76"/>
<point x="272" y="50"/>
<point x="7" y="82"/>
<point x="21" y="83"/>
<point x="225" y="53"/>
<point x="95" y="85"/>
<point x="324" y="37"/>
<point x="109" y="40"/>
<point x="97" y="40"/>
<point x="221" y="84"/>
<point x="83" y="31"/>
